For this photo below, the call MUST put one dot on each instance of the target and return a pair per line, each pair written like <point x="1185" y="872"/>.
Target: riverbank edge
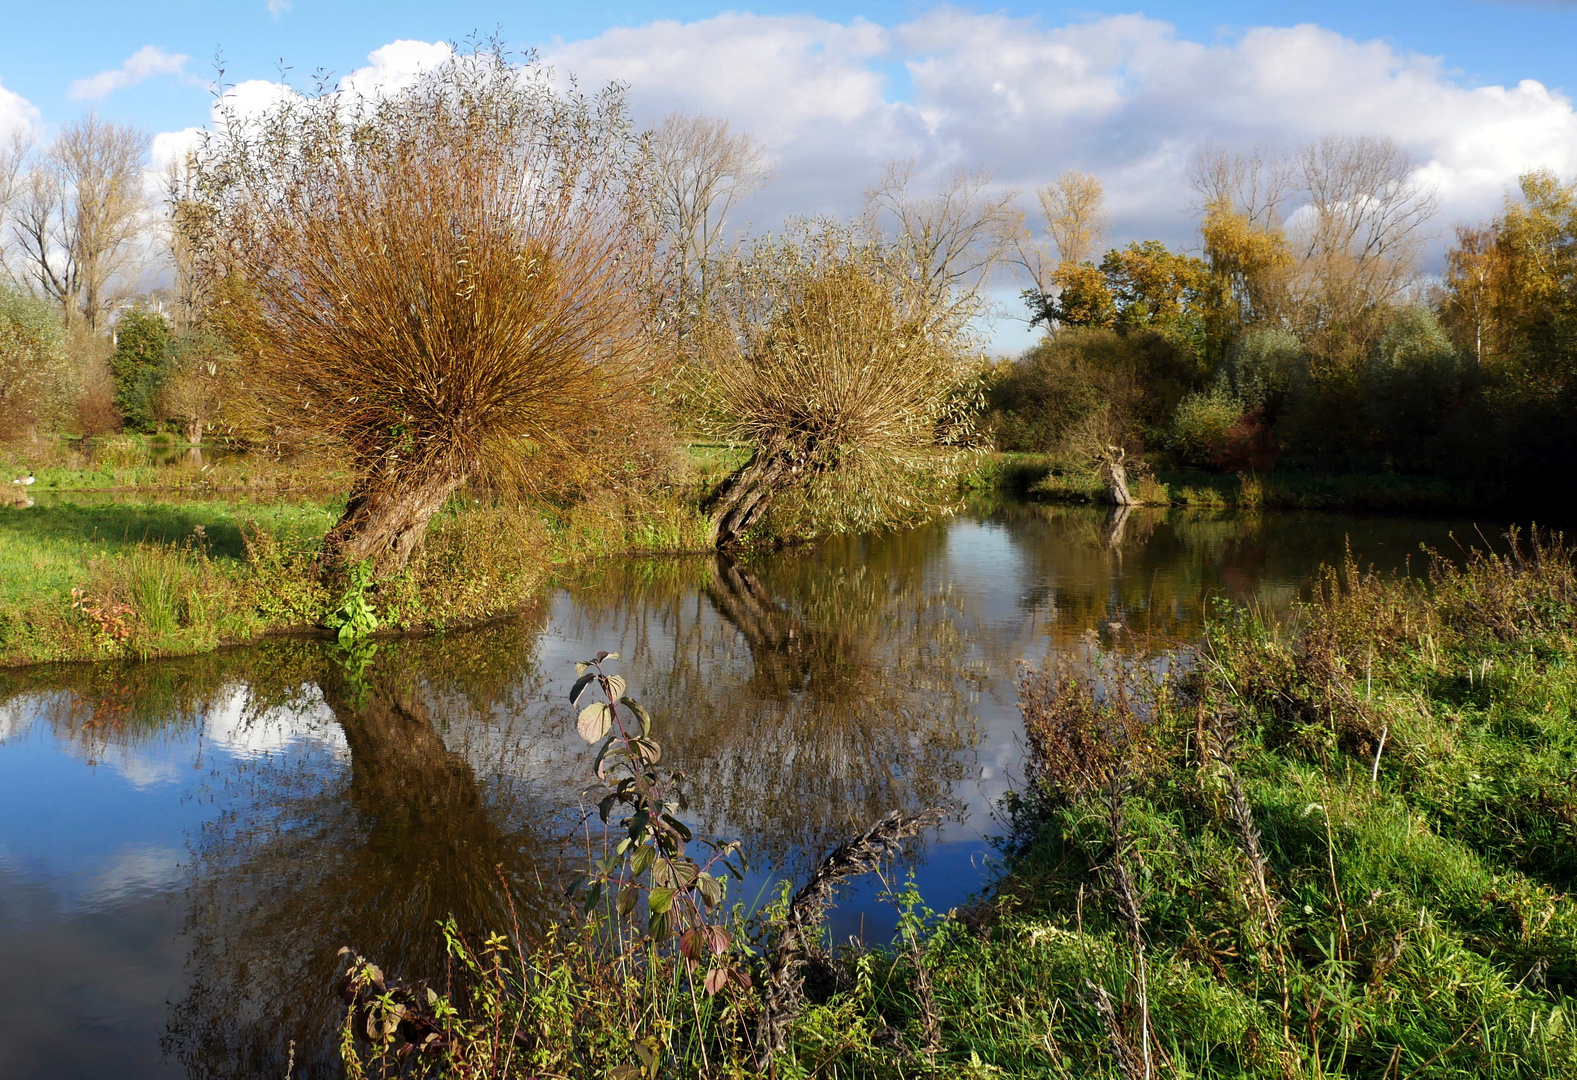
<point x="163" y="599"/>
<point x="173" y="598"/>
<point x="1051" y="478"/>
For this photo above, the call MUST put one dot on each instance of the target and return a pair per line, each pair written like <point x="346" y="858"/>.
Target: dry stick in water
<point x="784" y="995"/>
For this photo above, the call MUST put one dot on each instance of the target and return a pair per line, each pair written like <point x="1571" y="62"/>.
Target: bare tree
<point x="1253" y="186"/>
<point x="1367" y="202"/>
<point x="182" y="206"/>
<point x="951" y="240"/>
<point x="439" y="285"/>
<point x="82" y="218"/>
<point x="13" y="157"/>
<point x="1345" y="251"/>
<point x="702" y="168"/>
<point x="1074" y="206"/>
<point x="1356" y="240"/>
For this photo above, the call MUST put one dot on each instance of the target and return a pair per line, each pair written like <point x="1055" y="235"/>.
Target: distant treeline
<point x="1312" y="340"/>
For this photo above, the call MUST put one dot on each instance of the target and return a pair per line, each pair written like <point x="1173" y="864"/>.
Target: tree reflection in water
<point x="807" y="694"/>
<point x="440" y="800"/>
<point x="437" y="807"/>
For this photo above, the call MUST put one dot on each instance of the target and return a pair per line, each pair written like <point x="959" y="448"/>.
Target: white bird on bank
<point x="28" y="479"/>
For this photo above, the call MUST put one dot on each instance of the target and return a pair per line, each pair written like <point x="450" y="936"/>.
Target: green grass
<point x="1420" y="914"/>
<point x="163" y="574"/>
<point x="144" y="463"/>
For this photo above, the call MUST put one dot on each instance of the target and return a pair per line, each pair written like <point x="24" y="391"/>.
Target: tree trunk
<point x="1117" y="485"/>
<point x="739" y="501"/>
<point x="1115" y="526"/>
<point x="194" y="431"/>
<point x="403" y="777"/>
<point x="386" y="523"/>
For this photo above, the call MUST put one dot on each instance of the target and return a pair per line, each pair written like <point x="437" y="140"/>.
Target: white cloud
<point x="394" y="67"/>
<point x="810" y="89"/>
<point x="145" y="63"/>
<point x="250" y="98"/>
<point x="17" y="114"/>
<point x="276" y="8"/>
<point x="1122" y="96"/>
<point x="170" y="147"/>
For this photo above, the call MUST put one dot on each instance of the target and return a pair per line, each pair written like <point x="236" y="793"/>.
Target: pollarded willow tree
<point x="437" y="285"/>
<point x="836" y="367"/>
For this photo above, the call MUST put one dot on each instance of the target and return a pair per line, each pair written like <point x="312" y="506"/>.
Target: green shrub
<point x="1264" y="368"/>
<point x="1201" y="425"/>
<point x="39" y="385"/>
<point x="140" y="364"/>
<point x="1138" y="376"/>
<point x="1415" y="380"/>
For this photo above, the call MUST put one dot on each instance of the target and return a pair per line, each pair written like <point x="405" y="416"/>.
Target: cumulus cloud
<point x="813" y="91"/>
<point x="145" y="63"/>
<point x="17" y="114"/>
<point x="1123" y="96"/>
<point x="394" y="67"/>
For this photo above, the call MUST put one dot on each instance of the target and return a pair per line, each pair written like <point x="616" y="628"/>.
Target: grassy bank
<point x="1344" y="846"/>
<point x="179" y="558"/>
<point x="131" y="462"/>
<point x="154" y="576"/>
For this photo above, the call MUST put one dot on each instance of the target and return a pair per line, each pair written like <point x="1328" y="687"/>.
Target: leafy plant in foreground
<point x="651" y="857"/>
<point x="355" y="617"/>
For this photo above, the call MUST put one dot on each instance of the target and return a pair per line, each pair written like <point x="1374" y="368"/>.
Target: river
<point x="184" y="845"/>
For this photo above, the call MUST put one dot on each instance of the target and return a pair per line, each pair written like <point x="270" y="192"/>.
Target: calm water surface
<point x="184" y="845"/>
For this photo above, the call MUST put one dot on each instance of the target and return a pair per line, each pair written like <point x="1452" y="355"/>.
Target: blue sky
<point x="1476" y="91"/>
<point x="45" y="47"/>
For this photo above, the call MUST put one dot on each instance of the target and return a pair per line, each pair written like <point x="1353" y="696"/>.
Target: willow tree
<point x="836" y="367"/>
<point x="437" y="284"/>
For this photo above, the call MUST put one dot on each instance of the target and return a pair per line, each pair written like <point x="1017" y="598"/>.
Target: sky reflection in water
<point x="184" y="845"/>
